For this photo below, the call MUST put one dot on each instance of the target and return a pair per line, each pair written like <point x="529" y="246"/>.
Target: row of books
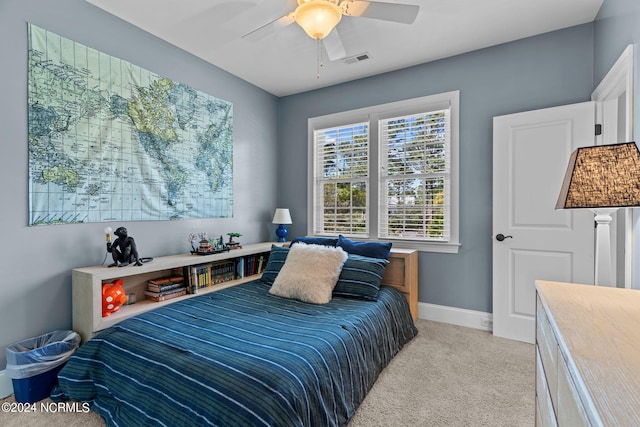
<point x="205" y="275"/>
<point x="192" y="278"/>
<point x="252" y="264"/>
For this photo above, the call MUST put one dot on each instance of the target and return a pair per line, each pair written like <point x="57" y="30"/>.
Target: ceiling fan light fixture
<point x="318" y="17"/>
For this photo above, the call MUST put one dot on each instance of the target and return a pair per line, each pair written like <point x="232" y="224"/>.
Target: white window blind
<point x="415" y="176"/>
<point x="341" y="174"/>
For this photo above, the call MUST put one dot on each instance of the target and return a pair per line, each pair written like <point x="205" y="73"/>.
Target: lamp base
<point x="282" y="232"/>
<point x="604" y="268"/>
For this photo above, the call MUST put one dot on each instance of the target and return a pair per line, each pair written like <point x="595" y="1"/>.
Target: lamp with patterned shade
<point x="282" y="216"/>
<point x="602" y="178"/>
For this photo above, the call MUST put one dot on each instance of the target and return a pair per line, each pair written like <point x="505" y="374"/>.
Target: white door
<point x="530" y="155"/>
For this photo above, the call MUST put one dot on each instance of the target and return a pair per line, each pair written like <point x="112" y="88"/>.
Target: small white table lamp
<point x="282" y="216"/>
<point x="602" y="178"/>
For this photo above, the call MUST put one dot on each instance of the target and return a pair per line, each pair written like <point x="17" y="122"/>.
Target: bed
<point x="240" y="357"/>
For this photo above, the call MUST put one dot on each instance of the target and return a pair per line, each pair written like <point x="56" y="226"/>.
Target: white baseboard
<point x="6" y="386"/>
<point x="456" y="316"/>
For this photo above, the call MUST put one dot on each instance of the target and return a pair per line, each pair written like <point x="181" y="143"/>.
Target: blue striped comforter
<point x="239" y="357"/>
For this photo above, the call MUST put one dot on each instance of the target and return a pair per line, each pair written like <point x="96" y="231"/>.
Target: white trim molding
<point x="619" y="82"/>
<point x="456" y="316"/>
<point x="6" y="385"/>
<point x="615" y="96"/>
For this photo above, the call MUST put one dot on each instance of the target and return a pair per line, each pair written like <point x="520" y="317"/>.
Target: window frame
<point x="380" y="112"/>
<point x="320" y="161"/>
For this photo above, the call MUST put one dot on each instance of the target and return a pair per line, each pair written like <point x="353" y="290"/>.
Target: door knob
<point x="500" y="237"/>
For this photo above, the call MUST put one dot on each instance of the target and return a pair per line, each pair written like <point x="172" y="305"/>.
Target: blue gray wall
<point x="36" y="262"/>
<point x="617" y="26"/>
<point x="543" y="71"/>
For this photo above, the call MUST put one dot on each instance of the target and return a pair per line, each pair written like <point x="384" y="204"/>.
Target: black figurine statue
<point x="123" y="249"/>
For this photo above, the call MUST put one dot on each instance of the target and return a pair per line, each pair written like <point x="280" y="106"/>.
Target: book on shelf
<point x="166" y="280"/>
<point x="163" y="296"/>
<point x="197" y="277"/>
<point x="254" y="264"/>
<point x="166" y="292"/>
<point x="222" y="271"/>
<point x="240" y="268"/>
<point x="166" y="287"/>
<point x="203" y="275"/>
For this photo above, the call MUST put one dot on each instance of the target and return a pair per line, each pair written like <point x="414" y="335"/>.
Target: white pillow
<point x="310" y="273"/>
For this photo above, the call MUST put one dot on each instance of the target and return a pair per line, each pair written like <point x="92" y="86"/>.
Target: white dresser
<point x="587" y="355"/>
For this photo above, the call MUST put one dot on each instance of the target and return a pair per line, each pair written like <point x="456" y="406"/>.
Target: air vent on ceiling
<point x="357" y="58"/>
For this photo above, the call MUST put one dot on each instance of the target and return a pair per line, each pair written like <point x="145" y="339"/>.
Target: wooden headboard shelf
<point x="402" y="274"/>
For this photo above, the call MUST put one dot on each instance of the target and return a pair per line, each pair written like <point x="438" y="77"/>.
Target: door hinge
<point x="598" y="129"/>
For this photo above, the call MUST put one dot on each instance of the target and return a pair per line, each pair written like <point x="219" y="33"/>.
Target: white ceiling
<point x="286" y="61"/>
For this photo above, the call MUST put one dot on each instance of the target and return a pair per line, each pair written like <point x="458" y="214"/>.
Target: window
<point x="342" y="162"/>
<point x="414" y="177"/>
<point x="388" y="172"/>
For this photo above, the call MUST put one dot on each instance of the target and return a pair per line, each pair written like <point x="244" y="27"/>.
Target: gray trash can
<point x="33" y="364"/>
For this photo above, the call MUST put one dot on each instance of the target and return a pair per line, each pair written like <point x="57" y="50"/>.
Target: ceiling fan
<point x="318" y="18"/>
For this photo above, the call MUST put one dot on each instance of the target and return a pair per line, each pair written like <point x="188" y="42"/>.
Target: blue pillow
<point x="360" y="278"/>
<point x="368" y="249"/>
<point x="277" y="257"/>
<point x="324" y="241"/>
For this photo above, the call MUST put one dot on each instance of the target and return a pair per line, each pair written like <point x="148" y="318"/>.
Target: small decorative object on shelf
<point x="194" y="241"/>
<point x="220" y="243"/>
<point x="113" y="297"/>
<point x="203" y="246"/>
<point x="233" y="244"/>
<point x="123" y="249"/>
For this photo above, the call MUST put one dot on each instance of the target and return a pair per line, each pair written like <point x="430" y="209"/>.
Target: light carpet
<point x="447" y="376"/>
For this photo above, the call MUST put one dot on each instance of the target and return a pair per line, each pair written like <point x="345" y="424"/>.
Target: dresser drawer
<point x="548" y="348"/>
<point x="570" y="412"/>
<point x="545" y="415"/>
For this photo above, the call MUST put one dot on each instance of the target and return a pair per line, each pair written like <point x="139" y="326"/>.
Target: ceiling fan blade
<point x="270" y="27"/>
<point x="333" y="46"/>
<point x="395" y="12"/>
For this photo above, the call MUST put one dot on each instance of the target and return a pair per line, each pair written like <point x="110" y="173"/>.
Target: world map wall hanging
<point x="110" y="141"/>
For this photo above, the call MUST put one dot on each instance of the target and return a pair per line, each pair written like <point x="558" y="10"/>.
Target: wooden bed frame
<point x="402" y="274"/>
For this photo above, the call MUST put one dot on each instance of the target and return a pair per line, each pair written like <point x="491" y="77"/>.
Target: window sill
<point x="445" y="248"/>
